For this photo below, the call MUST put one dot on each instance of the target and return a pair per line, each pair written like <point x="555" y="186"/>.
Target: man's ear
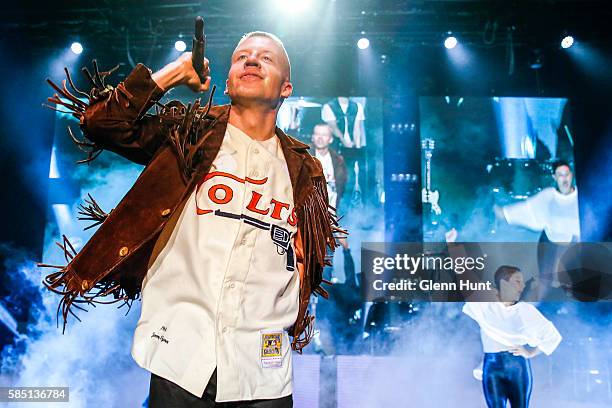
<point x="226" y="92"/>
<point x="287" y="89"/>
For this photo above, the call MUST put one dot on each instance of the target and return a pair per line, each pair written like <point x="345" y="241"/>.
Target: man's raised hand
<point x="181" y="72"/>
<point x="190" y="68"/>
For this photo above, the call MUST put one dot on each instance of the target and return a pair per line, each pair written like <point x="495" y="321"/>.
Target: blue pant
<point x="506" y="377"/>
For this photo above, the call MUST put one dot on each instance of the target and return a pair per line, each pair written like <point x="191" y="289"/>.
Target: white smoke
<point x="93" y="357"/>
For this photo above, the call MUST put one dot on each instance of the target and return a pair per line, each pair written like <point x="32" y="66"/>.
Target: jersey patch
<point x="271" y="349"/>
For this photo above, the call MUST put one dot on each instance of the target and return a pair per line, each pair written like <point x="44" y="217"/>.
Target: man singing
<point x="224" y="235"/>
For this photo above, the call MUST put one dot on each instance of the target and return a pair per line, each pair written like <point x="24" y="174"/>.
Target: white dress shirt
<point x="330" y="178"/>
<point x="221" y="293"/>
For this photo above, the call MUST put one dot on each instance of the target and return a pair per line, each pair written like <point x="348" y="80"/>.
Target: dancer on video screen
<point x="553" y="210"/>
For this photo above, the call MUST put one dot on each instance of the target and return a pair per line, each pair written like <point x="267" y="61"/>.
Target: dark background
<point x="405" y="59"/>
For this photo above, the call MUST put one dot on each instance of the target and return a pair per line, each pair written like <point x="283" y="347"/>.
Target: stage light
<point x="76" y="48"/>
<point x="567" y="41"/>
<point x="180" y="45"/>
<point x="294" y="6"/>
<point x="450" y="42"/>
<point x="363" y="43"/>
<point x="53" y="168"/>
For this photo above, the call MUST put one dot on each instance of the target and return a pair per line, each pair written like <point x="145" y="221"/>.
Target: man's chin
<point x="248" y="92"/>
<point x="252" y="99"/>
<point x="246" y="96"/>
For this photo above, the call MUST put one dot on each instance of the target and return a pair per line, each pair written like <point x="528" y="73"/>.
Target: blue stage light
<point x="567" y="41"/>
<point x="363" y="43"/>
<point x="450" y="42"/>
<point x="180" y="45"/>
<point x="76" y="47"/>
<point x="294" y="6"/>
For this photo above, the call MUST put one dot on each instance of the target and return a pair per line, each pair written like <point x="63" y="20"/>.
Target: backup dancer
<point x="512" y="332"/>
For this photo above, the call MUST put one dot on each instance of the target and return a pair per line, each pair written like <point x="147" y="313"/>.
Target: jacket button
<point x="124" y="251"/>
<point x="85" y="285"/>
<point x="166" y="212"/>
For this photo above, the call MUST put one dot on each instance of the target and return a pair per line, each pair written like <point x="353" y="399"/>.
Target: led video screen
<point x="498" y="169"/>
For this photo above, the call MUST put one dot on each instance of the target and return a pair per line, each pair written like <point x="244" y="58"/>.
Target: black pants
<point x="166" y="394"/>
<point x="506" y="377"/>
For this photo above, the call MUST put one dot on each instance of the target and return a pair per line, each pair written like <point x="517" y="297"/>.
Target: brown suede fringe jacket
<point x="177" y="145"/>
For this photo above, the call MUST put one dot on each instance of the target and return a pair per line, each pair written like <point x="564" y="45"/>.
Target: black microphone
<point x="197" y="51"/>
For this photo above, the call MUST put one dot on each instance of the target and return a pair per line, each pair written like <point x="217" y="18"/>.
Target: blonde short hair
<point x="273" y="38"/>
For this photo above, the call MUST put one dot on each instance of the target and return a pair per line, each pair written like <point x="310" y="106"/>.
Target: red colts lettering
<point x="222" y="194"/>
<point x="212" y="194"/>
<point x="255" y="196"/>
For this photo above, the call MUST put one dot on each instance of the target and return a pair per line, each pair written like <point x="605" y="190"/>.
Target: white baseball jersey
<point x="225" y="287"/>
